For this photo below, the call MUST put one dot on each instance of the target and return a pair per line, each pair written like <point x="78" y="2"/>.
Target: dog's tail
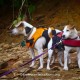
<point x="50" y="32"/>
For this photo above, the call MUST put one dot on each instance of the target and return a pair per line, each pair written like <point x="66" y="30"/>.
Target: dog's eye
<point x="67" y="30"/>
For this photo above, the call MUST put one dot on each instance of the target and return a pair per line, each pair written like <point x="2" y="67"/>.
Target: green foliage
<point x="31" y="8"/>
<point x="17" y="3"/>
<point x="20" y="18"/>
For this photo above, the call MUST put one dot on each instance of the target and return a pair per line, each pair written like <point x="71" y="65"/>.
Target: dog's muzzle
<point x="63" y="36"/>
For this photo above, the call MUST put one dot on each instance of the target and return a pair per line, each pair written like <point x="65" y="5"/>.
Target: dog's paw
<point x="62" y="65"/>
<point x="65" y="68"/>
<point x="52" y="62"/>
<point x="31" y="65"/>
<point x="48" y="68"/>
<point x="40" y="67"/>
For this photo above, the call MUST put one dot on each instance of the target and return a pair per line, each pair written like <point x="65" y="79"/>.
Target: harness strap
<point x="30" y="43"/>
<point x="25" y="37"/>
<point x="73" y="38"/>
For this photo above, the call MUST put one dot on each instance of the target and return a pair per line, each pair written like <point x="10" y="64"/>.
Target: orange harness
<point x="36" y="35"/>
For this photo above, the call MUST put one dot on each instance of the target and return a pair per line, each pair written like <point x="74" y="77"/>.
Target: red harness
<point x="69" y="42"/>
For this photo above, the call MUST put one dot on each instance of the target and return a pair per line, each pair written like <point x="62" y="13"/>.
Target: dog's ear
<point x="50" y="35"/>
<point x="21" y="25"/>
<point x="73" y="27"/>
<point x="27" y="29"/>
<point x="50" y="32"/>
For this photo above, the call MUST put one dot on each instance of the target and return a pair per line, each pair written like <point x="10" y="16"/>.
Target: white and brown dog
<point x="37" y="38"/>
<point x="69" y="32"/>
<point x="51" y="48"/>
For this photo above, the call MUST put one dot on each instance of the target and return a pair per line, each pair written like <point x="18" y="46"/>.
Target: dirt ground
<point x="53" y="13"/>
<point x="14" y="57"/>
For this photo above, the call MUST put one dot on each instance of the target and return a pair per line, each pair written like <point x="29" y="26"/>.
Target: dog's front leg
<point x="60" y="57"/>
<point x="69" y="60"/>
<point x="65" y="59"/>
<point x="78" y="56"/>
<point x="32" y="55"/>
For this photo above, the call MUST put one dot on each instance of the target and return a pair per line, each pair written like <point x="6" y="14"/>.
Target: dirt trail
<point x="13" y="57"/>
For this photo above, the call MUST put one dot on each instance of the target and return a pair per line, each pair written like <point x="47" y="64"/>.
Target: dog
<point x="70" y="33"/>
<point x="39" y="43"/>
<point x="53" y="41"/>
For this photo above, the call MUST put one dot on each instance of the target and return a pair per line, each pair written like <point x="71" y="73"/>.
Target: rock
<point x="23" y="70"/>
<point x="18" y="63"/>
<point x="6" y="46"/>
<point x="10" y="50"/>
<point x="9" y="55"/>
<point x="2" y="44"/>
<point x="16" y="78"/>
<point x="16" y="48"/>
<point x="1" y="49"/>
<point x="24" y="57"/>
<point x="13" y="44"/>
<point x="4" y="77"/>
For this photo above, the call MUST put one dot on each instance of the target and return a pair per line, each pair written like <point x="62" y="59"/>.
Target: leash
<point x="11" y="70"/>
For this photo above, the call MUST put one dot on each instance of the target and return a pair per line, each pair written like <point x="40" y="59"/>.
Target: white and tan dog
<point x="39" y="44"/>
<point x="53" y="41"/>
<point x="69" y="32"/>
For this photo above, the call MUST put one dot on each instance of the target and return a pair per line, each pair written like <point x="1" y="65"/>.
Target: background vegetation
<point x="24" y="7"/>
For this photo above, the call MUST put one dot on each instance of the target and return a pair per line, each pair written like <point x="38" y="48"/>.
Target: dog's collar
<point x="76" y="37"/>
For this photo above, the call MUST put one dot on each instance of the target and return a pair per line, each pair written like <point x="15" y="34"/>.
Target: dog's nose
<point x="63" y="36"/>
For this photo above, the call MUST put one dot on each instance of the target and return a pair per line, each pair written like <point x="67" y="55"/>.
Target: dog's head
<point x="69" y="31"/>
<point x="22" y="28"/>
